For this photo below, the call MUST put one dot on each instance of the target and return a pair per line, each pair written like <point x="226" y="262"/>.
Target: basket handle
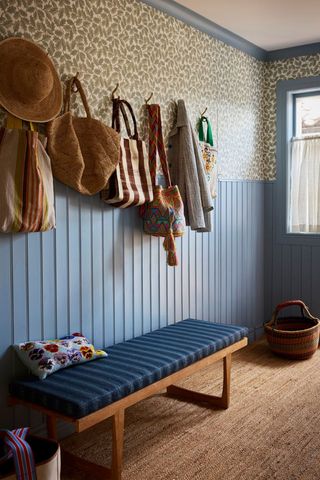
<point x="290" y="303"/>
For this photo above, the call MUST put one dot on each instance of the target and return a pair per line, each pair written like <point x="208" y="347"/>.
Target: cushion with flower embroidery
<point x="44" y="357"/>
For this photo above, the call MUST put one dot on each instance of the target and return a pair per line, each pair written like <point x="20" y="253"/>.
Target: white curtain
<point x="304" y="212"/>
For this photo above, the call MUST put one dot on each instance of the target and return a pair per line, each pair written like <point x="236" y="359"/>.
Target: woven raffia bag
<point x="84" y="152"/>
<point x="294" y="337"/>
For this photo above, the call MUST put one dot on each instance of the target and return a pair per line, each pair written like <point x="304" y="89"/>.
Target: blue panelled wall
<point x="291" y="269"/>
<point x="99" y="274"/>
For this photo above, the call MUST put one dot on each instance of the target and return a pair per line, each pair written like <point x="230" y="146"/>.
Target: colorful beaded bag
<point x="164" y="215"/>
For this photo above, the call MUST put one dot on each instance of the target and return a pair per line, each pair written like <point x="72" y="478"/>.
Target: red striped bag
<point x="26" y="183"/>
<point x="131" y="183"/>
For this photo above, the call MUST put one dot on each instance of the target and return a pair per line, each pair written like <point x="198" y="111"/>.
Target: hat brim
<point x="12" y="50"/>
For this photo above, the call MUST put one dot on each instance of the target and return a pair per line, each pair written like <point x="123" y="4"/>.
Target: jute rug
<point x="270" y="431"/>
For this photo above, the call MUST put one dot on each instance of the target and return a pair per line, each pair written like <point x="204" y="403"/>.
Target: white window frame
<point x="286" y="90"/>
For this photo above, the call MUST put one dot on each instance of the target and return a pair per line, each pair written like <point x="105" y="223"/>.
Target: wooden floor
<point x="270" y="431"/>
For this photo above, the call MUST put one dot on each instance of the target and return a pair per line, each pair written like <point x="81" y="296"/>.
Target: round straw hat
<point x="30" y="88"/>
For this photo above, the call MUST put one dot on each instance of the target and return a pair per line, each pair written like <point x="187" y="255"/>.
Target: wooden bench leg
<point x="117" y="444"/>
<point x="197" y="397"/>
<point x="98" y="471"/>
<point x="52" y="427"/>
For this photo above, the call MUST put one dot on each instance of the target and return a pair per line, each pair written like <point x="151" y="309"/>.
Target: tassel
<point x="172" y="259"/>
<point x="170" y="247"/>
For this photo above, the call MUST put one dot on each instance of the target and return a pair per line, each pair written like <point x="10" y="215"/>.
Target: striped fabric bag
<point x="26" y="183"/>
<point x="131" y="183"/>
<point x="20" y="451"/>
<point x="28" y="457"/>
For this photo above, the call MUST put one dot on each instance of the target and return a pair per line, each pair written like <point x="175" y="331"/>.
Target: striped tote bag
<point x="131" y="184"/>
<point x="26" y="183"/>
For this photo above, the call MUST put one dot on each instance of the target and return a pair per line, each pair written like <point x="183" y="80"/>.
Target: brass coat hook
<point x="204" y="111"/>
<point x="74" y="87"/>
<point x="147" y="100"/>
<point x="114" y="90"/>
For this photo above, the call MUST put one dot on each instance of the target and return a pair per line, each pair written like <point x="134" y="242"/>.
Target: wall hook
<point x="114" y="90"/>
<point x="147" y="100"/>
<point x="204" y="111"/>
<point x="74" y="87"/>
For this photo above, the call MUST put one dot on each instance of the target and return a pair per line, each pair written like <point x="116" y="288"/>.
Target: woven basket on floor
<point x="293" y="337"/>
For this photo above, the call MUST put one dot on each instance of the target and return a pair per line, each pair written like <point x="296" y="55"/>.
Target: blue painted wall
<point x="98" y="273"/>
<point x="291" y="270"/>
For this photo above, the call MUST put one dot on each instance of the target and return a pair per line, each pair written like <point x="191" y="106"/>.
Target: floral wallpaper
<point x="297" y="67"/>
<point x="126" y="41"/>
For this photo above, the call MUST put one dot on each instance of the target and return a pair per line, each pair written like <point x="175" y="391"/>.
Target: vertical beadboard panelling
<point x="146" y="283"/>
<point x="184" y="258"/>
<point x="107" y="272"/>
<point x="48" y="282"/>
<point x="128" y="274"/>
<point x="118" y="253"/>
<point x="6" y="337"/>
<point x="192" y="272"/>
<point x="61" y="256"/>
<point x="97" y="275"/>
<point x="97" y="272"/>
<point x="137" y="279"/>
<point x="291" y="271"/>
<point x="73" y="221"/>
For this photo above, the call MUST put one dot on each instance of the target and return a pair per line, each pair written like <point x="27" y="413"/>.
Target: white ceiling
<point x="269" y="24"/>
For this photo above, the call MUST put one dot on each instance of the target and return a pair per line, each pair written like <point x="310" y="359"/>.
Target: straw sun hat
<point x="30" y="88"/>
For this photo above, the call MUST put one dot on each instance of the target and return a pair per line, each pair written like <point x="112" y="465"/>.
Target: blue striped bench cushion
<point x="82" y="389"/>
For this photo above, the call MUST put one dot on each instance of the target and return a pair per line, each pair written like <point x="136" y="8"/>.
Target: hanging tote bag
<point x="164" y="215"/>
<point x="84" y="152"/>
<point x="28" y="457"/>
<point x="209" y="155"/>
<point x="26" y="183"/>
<point x="131" y="183"/>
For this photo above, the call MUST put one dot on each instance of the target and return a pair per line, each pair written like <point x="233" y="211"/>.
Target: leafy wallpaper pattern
<point x="126" y="41"/>
<point x="298" y="67"/>
<point x="145" y="50"/>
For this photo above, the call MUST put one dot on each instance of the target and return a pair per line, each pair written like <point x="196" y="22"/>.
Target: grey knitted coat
<point x="187" y="171"/>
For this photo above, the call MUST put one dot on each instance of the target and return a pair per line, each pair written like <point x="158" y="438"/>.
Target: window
<point x="306" y="114"/>
<point x="304" y="164"/>
<point x="298" y="160"/>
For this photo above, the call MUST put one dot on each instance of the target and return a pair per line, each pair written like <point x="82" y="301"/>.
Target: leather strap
<point x="119" y="105"/>
<point x="156" y="144"/>
<point x="67" y="98"/>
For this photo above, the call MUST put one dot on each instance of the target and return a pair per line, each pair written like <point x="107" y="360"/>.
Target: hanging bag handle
<point x="21" y="452"/>
<point x="156" y="143"/>
<point x="209" y="138"/>
<point x="13" y="122"/>
<point x="119" y="105"/>
<point x="75" y="81"/>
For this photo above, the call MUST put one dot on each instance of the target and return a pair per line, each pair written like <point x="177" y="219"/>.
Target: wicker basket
<point x="293" y="337"/>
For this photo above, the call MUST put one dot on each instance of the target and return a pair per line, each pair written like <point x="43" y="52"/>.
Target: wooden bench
<point x="134" y="370"/>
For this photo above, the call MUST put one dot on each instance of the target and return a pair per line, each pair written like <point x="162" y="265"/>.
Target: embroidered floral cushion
<point x="44" y="357"/>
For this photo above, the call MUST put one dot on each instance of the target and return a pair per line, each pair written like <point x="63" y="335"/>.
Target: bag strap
<point x="120" y="105"/>
<point x="156" y="144"/>
<point x="13" y="122"/>
<point x="21" y="452"/>
<point x="209" y="138"/>
<point x="75" y="81"/>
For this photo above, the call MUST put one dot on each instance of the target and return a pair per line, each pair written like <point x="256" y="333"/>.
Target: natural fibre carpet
<point x="270" y="431"/>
